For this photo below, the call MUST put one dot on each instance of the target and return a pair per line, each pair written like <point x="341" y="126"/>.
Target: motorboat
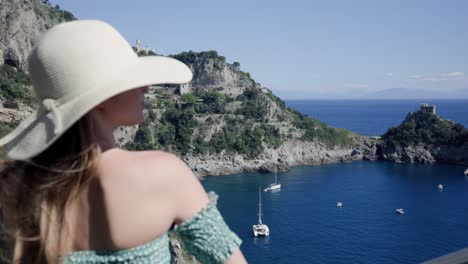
<point x="400" y="211"/>
<point x="260" y="229"/>
<point x="339" y="204"/>
<point x="440" y="187"/>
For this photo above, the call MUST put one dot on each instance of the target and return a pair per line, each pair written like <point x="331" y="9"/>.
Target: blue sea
<point x="305" y="224"/>
<point x="374" y="117"/>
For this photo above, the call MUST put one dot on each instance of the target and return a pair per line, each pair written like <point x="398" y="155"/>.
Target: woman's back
<point x="134" y="199"/>
<point x="127" y="204"/>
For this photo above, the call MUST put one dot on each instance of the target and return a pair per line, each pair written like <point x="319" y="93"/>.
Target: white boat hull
<point x="272" y="187"/>
<point x="260" y="230"/>
<point x="400" y="211"/>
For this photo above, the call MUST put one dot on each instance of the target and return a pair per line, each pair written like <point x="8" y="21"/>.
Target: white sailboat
<point x="260" y="229"/>
<point x="273" y="186"/>
<point x="400" y="211"/>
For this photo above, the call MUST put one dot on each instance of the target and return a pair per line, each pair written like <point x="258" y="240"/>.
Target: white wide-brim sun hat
<point x="75" y="66"/>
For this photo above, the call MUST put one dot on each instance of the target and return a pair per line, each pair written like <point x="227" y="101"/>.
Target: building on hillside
<point x="184" y="88"/>
<point x="140" y="50"/>
<point x="426" y="108"/>
<point x="175" y="89"/>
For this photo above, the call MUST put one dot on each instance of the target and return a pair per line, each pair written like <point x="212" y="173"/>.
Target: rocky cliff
<point x="211" y="72"/>
<point x="21" y="23"/>
<point x="425" y="137"/>
<point x="430" y="154"/>
<point x="228" y="123"/>
<point x="290" y="153"/>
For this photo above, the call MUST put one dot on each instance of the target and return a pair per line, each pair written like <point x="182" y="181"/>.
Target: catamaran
<point x="260" y="229"/>
<point x="273" y="186"/>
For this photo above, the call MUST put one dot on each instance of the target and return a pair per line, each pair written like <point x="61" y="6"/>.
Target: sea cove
<point x="306" y="226"/>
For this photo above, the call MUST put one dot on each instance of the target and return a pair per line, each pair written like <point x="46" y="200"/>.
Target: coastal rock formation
<point x="425" y="137"/>
<point x="451" y="154"/>
<point x="21" y="23"/>
<point x="13" y="112"/>
<point x="290" y="153"/>
<point x="410" y="154"/>
<point x="429" y="154"/>
<point x="211" y="72"/>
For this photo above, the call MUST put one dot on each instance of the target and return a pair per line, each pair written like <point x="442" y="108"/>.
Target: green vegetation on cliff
<point x="175" y="128"/>
<point x="277" y="100"/>
<point x="15" y="85"/>
<point x="254" y="106"/>
<point x="190" y="57"/>
<point x="317" y="130"/>
<point x="5" y="128"/>
<point x="51" y="15"/>
<point x="239" y="136"/>
<point x="422" y="128"/>
<point x="183" y="123"/>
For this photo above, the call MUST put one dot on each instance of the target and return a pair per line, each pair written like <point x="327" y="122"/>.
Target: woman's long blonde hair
<point x="36" y="196"/>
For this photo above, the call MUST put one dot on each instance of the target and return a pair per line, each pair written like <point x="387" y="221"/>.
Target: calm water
<point x="374" y="117"/>
<point x="307" y="227"/>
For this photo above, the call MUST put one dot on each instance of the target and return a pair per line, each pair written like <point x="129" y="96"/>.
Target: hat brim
<point x="36" y="133"/>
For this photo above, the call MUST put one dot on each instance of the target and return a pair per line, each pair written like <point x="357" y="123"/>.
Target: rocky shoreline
<point x="428" y="154"/>
<point x="289" y="154"/>
<point x="301" y="153"/>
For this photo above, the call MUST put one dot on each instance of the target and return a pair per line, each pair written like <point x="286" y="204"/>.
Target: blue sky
<point x="308" y="49"/>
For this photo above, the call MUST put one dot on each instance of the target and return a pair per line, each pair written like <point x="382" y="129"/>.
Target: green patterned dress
<point x="205" y="235"/>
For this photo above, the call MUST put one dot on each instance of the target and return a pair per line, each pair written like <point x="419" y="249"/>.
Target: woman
<point x="68" y="194"/>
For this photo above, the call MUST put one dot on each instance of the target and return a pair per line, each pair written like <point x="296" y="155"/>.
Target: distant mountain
<point x="411" y="93"/>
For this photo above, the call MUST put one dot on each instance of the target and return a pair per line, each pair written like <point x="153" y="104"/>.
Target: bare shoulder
<point x="158" y="175"/>
<point x="185" y="189"/>
<point x="145" y="166"/>
<point x="160" y="167"/>
<point x="180" y="185"/>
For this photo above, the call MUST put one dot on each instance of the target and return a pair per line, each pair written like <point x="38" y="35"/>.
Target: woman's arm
<point x="191" y="200"/>
<point x="236" y="257"/>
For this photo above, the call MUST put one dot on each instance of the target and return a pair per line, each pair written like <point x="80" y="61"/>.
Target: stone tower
<point x="426" y="108"/>
<point x="184" y="88"/>
<point x="137" y="45"/>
